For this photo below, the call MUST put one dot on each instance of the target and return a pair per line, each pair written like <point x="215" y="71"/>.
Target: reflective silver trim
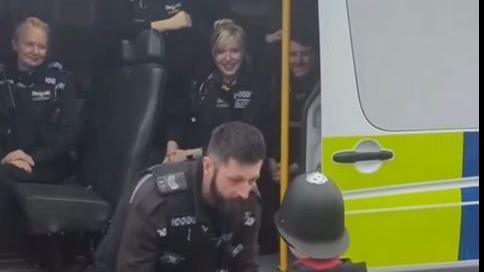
<point x="462" y="266"/>
<point x="414" y="207"/>
<point x="413" y="188"/>
<point x="138" y="186"/>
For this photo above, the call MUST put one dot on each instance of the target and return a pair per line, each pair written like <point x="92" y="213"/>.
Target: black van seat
<point x="54" y="209"/>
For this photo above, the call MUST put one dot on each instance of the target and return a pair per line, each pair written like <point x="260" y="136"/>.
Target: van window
<point x="416" y="62"/>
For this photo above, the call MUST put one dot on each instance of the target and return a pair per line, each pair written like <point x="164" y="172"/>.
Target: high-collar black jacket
<point x="215" y="102"/>
<point x="38" y="114"/>
<point x="170" y="228"/>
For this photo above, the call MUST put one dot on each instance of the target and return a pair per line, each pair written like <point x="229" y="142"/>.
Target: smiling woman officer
<point x="230" y="93"/>
<point x="37" y="110"/>
<point x="37" y="120"/>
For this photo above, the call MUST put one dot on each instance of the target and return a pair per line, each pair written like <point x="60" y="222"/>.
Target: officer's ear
<point x="208" y="165"/>
<point x="14" y="44"/>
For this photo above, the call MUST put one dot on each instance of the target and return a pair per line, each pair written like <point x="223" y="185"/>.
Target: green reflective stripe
<point x="408" y="229"/>
<point x="417" y="158"/>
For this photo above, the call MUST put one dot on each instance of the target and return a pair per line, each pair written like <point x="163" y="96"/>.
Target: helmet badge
<point x="316" y="178"/>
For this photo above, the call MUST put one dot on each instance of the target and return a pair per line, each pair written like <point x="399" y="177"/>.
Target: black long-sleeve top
<point x="39" y="114"/>
<point x="173" y="229"/>
<point x="186" y="50"/>
<point x="300" y="91"/>
<point x="127" y="18"/>
<point x="214" y="102"/>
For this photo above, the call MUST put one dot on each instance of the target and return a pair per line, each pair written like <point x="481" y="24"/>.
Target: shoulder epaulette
<point x="171" y="183"/>
<point x="57" y="66"/>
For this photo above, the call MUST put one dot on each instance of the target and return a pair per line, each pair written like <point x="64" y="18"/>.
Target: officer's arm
<point x="119" y="20"/>
<point x="66" y="125"/>
<point x="177" y="21"/>
<point x="246" y="260"/>
<point x="139" y="248"/>
<point x="180" y="121"/>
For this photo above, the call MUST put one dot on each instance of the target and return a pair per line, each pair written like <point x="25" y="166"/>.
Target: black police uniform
<point x="215" y="102"/>
<point x="344" y="266"/>
<point x="38" y="115"/>
<point x="182" y="46"/>
<point x="301" y="89"/>
<point x="187" y="51"/>
<point x="170" y="228"/>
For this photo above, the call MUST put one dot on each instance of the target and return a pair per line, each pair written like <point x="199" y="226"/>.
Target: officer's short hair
<point x="30" y="22"/>
<point x="239" y="141"/>
<point x="225" y="29"/>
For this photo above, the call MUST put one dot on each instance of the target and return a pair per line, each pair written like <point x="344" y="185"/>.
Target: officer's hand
<point x="274" y="37"/>
<point x="18" y="155"/>
<point x="171" y="147"/>
<point x="177" y="21"/>
<point x="181" y="20"/>
<point x="293" y="168"/>
<point x="177" y="155"/>
<point x="21" y="164"/>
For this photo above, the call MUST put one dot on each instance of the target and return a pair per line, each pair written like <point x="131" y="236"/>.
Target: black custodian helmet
<point x="311" y="217"/>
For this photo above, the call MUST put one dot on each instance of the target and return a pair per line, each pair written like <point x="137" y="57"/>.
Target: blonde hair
<point x="30" y="22"/>
<point x="225" y="29"/>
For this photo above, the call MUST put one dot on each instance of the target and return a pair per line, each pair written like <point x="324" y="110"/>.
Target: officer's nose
<point x="227" y="56"/>
<point x="36" y="50"/>
<point x="245" y="192"/>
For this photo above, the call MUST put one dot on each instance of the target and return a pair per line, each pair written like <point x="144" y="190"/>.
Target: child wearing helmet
<point x="311" y="221"/>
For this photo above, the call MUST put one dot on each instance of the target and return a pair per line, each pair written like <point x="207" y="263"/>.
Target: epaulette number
<point x="171" y="183"/>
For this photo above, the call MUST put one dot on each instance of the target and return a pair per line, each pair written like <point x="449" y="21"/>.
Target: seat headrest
<point x="126" y="52"/>
<point x="150" y="47"/>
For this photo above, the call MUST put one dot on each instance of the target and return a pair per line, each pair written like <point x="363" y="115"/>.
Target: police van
<point x="396" y="126"/>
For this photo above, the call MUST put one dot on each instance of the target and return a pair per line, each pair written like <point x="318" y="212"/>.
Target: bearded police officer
<point x="311" y="221"/>
<point x="198" y="215"/>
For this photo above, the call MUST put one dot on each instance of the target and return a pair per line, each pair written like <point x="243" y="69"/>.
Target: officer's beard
<point x="226" y="208"/>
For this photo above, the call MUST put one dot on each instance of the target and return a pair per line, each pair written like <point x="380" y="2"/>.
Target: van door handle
<point x="352" y="156"/>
